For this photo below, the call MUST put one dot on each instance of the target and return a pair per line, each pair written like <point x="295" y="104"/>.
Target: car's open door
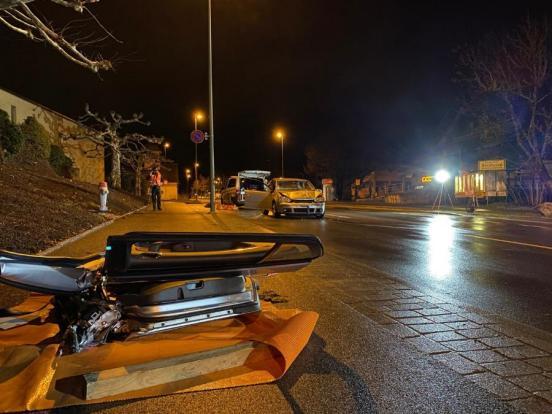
<point x="145" y="257"/>
<point x="254" y="190"/>
<point x="160" y="257"/>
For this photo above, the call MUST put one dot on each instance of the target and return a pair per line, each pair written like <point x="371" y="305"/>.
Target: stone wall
<point x="86" y="168"/>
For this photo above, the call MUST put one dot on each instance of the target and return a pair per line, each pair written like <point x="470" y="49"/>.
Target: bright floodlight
<point x="442" y="176"/>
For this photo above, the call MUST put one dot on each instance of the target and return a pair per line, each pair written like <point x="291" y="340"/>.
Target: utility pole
<point x="211" y="119"/>
<point x="283" y="156"/>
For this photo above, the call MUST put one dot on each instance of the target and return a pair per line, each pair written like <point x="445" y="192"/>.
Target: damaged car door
<point x="253" y="188"/>
<point x="152" y="282"/>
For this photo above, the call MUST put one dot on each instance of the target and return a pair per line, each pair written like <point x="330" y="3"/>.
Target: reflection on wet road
<point x="441" y="237"/>
<point x="500" y="265"/>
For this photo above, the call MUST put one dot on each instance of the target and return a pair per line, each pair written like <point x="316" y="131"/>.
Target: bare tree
<point x="516" y="68"/>
<point x="18" y="16"/>
<point x="107" y="133"/>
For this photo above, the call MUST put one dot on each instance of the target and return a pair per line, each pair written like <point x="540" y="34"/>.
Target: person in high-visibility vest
<point x="155" y="183"/>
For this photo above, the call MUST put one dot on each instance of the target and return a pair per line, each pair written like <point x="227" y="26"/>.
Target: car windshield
<point x="294" y="185"/>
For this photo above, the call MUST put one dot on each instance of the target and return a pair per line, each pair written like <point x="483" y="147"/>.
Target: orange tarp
<point x="30" y="367"/>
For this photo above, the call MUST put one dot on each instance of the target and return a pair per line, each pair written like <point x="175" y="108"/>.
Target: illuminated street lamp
<point x="198" y="116"/>
<point x="166" y="146"/>
<point x="196" y="180"/>
<point x="279" y="134"/>
<point x="188" y="176"/>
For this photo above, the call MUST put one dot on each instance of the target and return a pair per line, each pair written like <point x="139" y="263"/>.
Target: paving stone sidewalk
<point x="512" y="361"/>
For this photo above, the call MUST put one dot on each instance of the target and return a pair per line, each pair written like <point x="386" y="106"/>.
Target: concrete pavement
<point x="365" y="355"/>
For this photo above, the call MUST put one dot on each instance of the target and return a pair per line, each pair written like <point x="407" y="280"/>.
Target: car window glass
<point x="295" y="185"/>
<point x="231" y="183"/>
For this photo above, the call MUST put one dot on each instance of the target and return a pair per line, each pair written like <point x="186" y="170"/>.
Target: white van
<point x="247" y="189"/>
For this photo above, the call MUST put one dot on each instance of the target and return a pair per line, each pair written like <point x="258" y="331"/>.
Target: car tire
<point x="265" y="212"/>
<point x="275" y="212"/>
<point x="320" y="216"/>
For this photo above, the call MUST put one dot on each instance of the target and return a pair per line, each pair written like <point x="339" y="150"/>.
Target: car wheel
<point x="320" y="216"/>
<point x="265" y="212"/>
<point x="275" y="212"/>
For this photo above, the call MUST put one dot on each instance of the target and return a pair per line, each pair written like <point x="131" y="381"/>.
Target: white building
<point x="86" y="168"/>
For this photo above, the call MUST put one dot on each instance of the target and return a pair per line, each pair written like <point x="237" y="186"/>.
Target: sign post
<point x="492" y="165"/>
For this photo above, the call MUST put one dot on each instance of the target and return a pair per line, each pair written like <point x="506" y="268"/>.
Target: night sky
<point x="374" y="79"/>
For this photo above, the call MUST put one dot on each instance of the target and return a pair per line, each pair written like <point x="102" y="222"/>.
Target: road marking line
<point x="539" y="246"/>
<point x="532" y="225"/>
<point x="338" y="216"/>
<point x="387" y="226"/>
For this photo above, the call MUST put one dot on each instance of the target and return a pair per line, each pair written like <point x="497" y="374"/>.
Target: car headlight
<point x="284" y="198"/>
<point x="319" y="198"/>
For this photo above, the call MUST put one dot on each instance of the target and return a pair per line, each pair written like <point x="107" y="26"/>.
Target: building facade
<point x="86" y="168"/>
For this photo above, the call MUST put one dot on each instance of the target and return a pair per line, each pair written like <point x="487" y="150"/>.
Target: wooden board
<point x="163" y="371"/>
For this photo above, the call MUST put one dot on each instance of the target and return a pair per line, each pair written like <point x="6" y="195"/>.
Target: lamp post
<point x="166" y="146"/>
<point x="211" y="120"/>
<point x="188" y="176"/>
<point x="198" y="116"/>
<point x="196" y="181"/>
<point x="280" y="135"/>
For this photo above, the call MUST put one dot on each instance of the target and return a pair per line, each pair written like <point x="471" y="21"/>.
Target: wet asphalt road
<point x="501" y="265"/>
<point x="351" y="363"/>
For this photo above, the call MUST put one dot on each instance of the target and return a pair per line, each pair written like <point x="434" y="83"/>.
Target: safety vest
<point x="155" y="178"/>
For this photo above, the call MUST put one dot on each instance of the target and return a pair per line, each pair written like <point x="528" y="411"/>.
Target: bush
<point x="60" y="162"/>
<point x="37" y="140"/>
<point x="11" y="139"/>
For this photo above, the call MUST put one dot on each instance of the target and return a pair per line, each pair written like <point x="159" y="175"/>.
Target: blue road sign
<point x="197" y="136"/>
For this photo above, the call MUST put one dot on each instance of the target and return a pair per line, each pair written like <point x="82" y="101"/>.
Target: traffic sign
<point x="197" y="136"/>
<point x="427" y="179"/>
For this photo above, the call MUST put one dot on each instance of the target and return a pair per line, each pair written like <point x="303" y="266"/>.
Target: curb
<point x="86" y="233"/>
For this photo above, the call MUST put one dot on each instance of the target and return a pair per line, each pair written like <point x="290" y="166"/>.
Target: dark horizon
<point x="373" y="80"/>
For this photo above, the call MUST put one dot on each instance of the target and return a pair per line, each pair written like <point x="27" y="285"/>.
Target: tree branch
<point x="17" y="16"/>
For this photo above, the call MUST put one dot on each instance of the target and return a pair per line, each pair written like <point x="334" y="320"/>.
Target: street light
<point x="198" y="116"/>
<point x="166" y="146"/>
<point x="211" y="117"/>
<point x="188" y="176"/>
<point x="279" y="134"/>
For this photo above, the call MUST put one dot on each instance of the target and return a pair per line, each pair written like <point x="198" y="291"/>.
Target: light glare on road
<point x="441" y="238"/>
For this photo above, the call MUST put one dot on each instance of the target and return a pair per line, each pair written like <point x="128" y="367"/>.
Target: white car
<point x="292" y="197"/>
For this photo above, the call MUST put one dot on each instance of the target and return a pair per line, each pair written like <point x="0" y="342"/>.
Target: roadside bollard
<point x="103" y="196"/>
